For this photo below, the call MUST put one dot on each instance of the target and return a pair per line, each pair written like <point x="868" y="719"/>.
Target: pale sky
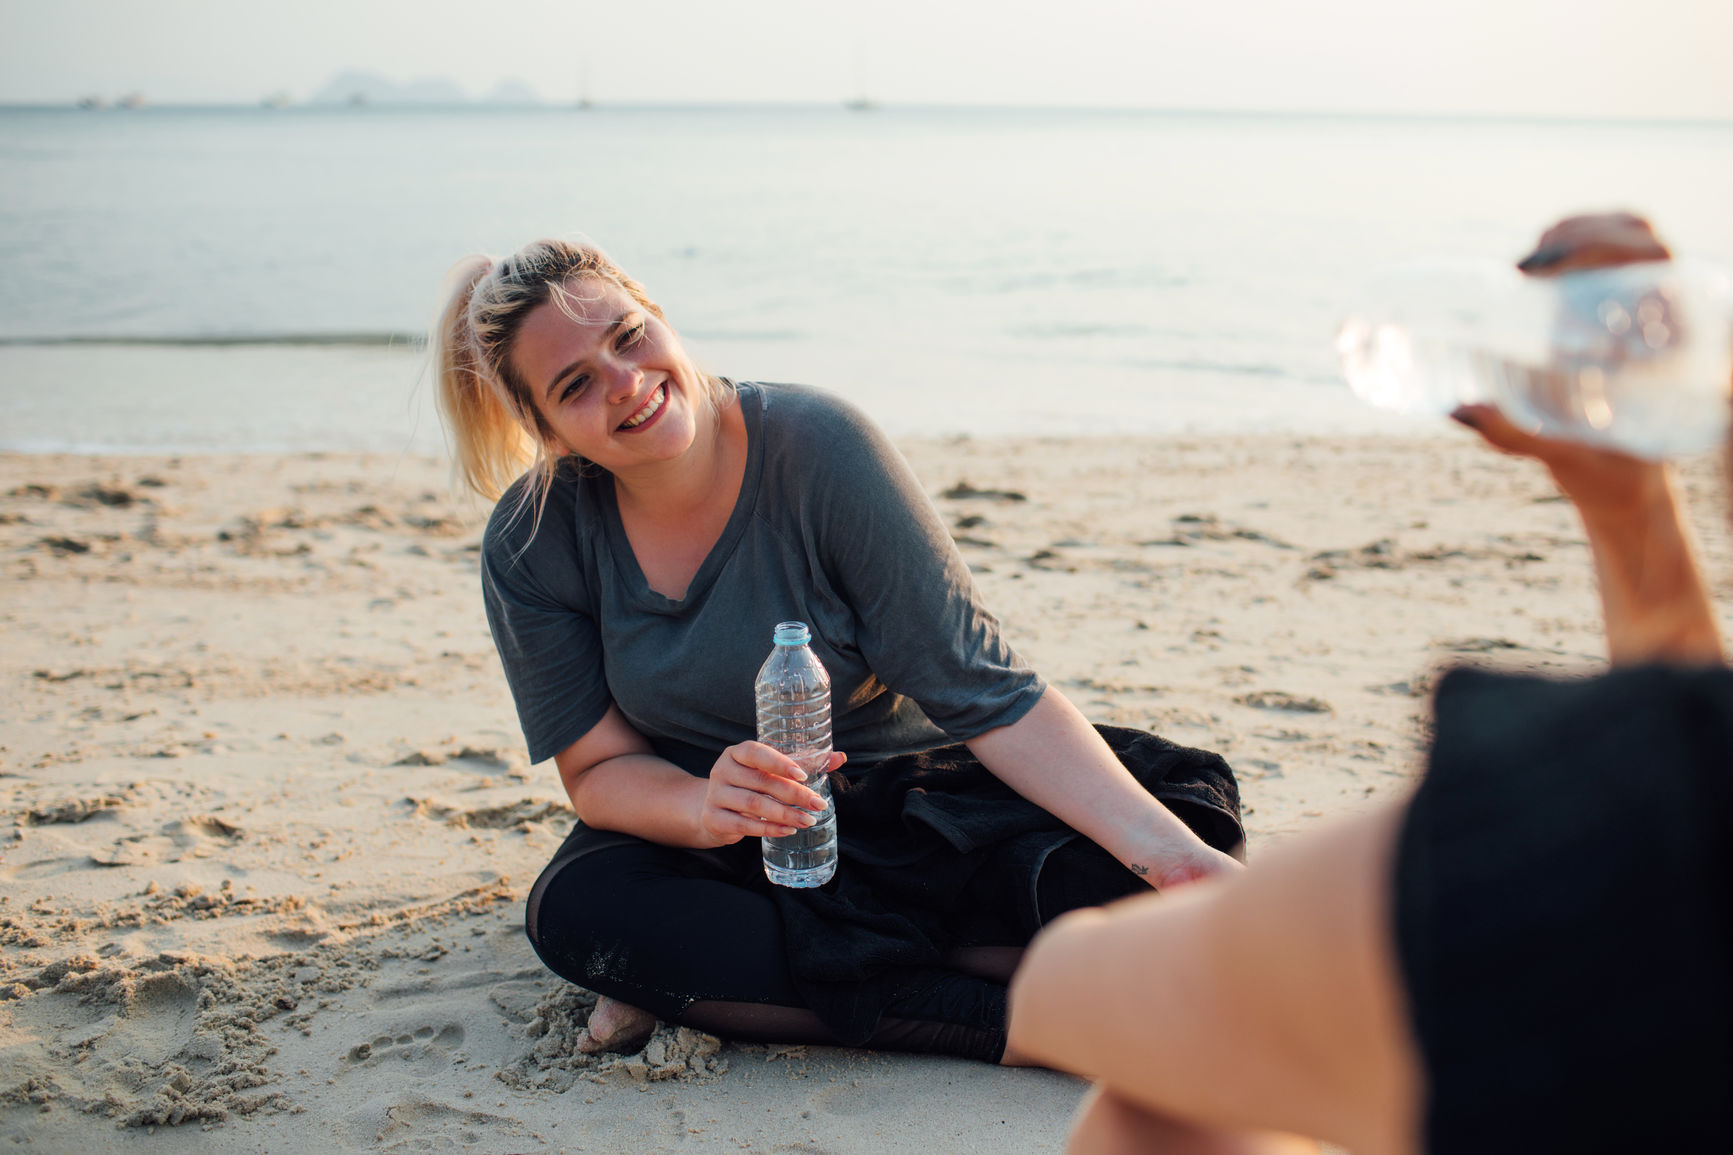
<point x="1594" y="58"/>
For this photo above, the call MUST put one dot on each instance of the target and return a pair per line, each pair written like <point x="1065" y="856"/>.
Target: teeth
<point x="649" y="409"/>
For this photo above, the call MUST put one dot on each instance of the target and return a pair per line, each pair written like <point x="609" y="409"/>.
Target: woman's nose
<point x="622" y="379"/>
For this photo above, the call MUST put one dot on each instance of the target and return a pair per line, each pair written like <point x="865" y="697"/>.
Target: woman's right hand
<point x="755" y="792"/>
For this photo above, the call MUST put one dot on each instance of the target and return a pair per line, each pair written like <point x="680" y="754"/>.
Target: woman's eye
<point x="631" y="336"/>
<point x="573" y="388"/>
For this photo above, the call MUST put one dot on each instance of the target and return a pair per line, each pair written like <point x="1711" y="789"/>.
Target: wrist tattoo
<point x="1138" y="869"/>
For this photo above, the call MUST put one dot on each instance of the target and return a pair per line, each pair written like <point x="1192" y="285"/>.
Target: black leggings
<point x="678" y="933"/>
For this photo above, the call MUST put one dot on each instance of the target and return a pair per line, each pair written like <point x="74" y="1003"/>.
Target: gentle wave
<point x="768" y="336"/>
<point x="410" y="341"/>
<point x="1226" y="367"/>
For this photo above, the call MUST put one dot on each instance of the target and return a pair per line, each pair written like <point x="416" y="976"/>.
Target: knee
<point x="562" y="907"/>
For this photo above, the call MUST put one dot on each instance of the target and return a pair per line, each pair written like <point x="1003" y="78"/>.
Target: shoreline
<point x="201" y="399"/>
<point x="270" y="824"/>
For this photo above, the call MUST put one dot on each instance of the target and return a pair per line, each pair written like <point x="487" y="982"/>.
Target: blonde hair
<point x="490" y="416"/>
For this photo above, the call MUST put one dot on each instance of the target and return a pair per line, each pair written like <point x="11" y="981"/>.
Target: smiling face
<point x="609" y="377"/>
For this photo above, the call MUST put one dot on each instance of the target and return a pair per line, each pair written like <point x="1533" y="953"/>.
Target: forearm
<point x="1053" y="757"/>
<point x="641" y="794"/>
<point x="1656" y="605"/>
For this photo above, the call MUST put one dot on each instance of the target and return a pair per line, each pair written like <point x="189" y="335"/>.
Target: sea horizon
<point x="858" y="105"/>
<point x="229" y="276"/>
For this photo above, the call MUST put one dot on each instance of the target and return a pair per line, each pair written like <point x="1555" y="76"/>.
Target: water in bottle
<point x="793" y="694"/>
<point x="1634" y="357"/>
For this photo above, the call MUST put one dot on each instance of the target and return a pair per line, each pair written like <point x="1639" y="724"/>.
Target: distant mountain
<point x="512" y="92"/>
<point x="369" y="88"/>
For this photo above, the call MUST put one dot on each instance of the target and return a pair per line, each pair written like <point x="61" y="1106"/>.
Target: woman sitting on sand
<point x="668" y="520"/>
<point x="1533" y="954"/>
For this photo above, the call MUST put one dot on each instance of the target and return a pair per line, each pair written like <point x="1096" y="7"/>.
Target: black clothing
<point x="1564" y="914"/>
<point x="935" y="854"/>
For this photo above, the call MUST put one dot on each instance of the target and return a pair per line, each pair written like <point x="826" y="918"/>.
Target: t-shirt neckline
<point x="626" y="561"/>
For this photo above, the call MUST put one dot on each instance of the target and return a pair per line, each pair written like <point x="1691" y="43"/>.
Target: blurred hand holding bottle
<point x="1610" y="344"/>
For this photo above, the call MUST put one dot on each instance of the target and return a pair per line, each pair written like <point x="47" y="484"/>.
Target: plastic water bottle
<point x="1635" y="357"/>
<point x="793" y="694"/>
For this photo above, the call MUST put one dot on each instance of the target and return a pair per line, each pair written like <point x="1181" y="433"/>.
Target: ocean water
<point x="183" y="280"/>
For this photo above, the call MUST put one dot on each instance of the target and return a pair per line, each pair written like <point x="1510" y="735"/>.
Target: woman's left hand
<point x="1053" y="757"/>
<point x="1187" y="862"/>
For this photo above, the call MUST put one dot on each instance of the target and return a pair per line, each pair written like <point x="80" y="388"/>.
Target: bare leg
<point x="1107" y="1125"/>
<point x="1264" y="1002"/>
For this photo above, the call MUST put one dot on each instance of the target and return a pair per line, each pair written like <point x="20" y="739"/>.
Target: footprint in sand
<point x="424" y="1125"/>
<point x="177" y="841"/>
<point x="426" y="1049"/>
<point x="158" y="1015"/>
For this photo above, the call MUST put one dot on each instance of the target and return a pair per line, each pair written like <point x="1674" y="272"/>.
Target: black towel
<point x="937" y="853"/>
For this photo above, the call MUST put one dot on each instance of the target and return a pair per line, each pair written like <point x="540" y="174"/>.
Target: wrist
<point x="1643" y="540"/>
<point x="1644" y="528"/>
<point x="1642" y="496"/>
<point x="699" y="836"/>
<point x="1154" y="849"/>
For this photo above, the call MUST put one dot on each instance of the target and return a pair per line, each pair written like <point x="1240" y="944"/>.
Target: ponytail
<point x="489" y="444"/>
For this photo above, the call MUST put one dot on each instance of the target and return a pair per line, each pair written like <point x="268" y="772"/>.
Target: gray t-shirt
<point x="831" y="528"/>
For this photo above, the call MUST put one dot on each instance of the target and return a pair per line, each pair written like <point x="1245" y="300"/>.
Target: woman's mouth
<point x="652" y="405"/>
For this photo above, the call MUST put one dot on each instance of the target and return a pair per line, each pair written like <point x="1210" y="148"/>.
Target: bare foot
<point x="617" y="1027"/>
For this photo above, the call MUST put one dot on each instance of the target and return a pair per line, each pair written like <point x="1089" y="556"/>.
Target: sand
<point x="269" y="824"/>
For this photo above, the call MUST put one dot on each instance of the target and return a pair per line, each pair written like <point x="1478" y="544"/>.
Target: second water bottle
<point x="1632" y="357"/>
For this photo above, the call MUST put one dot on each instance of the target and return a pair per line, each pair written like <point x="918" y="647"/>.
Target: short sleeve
<point x="921" y="626"/>
<point x="543" y="625"/>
